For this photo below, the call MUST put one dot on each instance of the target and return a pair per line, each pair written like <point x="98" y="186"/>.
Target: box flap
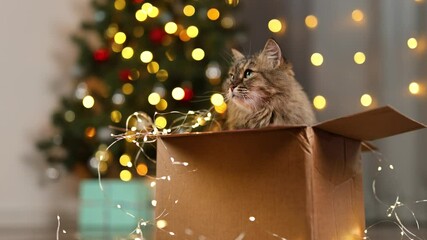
<point x="371" y="125"/>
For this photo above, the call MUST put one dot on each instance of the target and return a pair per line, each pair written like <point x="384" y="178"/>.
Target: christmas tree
<point x="136" y="55"/>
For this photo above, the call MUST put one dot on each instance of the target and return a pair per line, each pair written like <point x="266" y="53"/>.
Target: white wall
<point x="34" y="52"/>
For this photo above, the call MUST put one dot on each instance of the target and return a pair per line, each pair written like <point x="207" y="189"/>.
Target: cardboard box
<point x="294" y="183"/>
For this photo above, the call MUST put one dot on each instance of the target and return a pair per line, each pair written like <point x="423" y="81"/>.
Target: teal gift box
<point x="114" y="212"/>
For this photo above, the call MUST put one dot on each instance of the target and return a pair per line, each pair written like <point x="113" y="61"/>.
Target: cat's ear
<point x="237" y="55"/>
<point x="273" y="53"/>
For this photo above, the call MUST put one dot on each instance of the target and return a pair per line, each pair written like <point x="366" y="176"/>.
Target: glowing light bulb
<point x="127" y="52"/>
<point x="311" y="21"/>
<point x="125" y="175"/>
<point x="414" y="88"/>
<point x="359" y="58"/>
<point x="366" y="100"/>
<point x="146" y="56"/>
<point x="319" y="102"/>
<point x="154" y="12"/>
<point x="127" y="88"/>
<point x="221" y="109"/>
<point x="119" y="37"/>
<point x="161" y="224"/>
<point x="357" y="15"/>
<point x="275" y="25"/>
<point x="88" y="101"/>
<point x="171" y="27"/>
<point x="154" y="98"/>
<point x="189" y="10"/>
<point x="213" y="14"/>
<point x="316" y="59"/>
<point x="412" y="43"/>
<point x="178" y="93"/>
<point x="119" y="4"/>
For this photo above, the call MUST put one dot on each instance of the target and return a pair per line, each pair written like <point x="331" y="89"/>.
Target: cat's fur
<point x="262" y="91"/>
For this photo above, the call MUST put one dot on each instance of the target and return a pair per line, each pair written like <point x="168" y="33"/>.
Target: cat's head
<point x="253" y="80"/>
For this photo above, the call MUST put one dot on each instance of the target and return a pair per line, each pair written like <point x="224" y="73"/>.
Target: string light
<point x="162" y="105"/>
<point x="221" y="109"/>
<point x="142" y="169"/>
<point x="316" y="59"/>
<point x="90" y="132"/>
<point x="319" y="102"/>
<point x="162" y="75"/>
<point x="154" y="12"/>
<point x="227" y="22"/>
<point x="147" y="7"/>
<point x="127" y="88"/>
<point x="119" y="5"/>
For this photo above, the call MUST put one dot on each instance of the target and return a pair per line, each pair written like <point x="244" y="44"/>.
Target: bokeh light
<point x="127" y="88"/>
<point x="213" y="14"/>
<point x="189" y="10"/>
<point x="357" y="15"/>
<point x="153" y="67"/>
<point x="412" y="43"/>
<point x="146" y="56"/>
<point x="127" y="52"/>
<point x="124" y="160"/>
<point x="116" y="116"/>
<point x="217" y="99"/>
<point x="119" y="37"/>
<point x="142" y="169"/>
<point x="69" y="116"/>
<point x="275" y="25"/>
<point x="162" y="105"/>
<point x="311" y="21"/>
<point x="316" y="59"/>
<point x="366" y="100"/>
<point x="221" y="109"/>
<point x="154" y="98"/>
<point x="359" y="58"/>
<point x="125" y="175"/>
<point x="90" y="132"/>
<point x="162" y="75"/>
<point x="319" y="102"/>
<point x="198" y="54"/>
<point x="141" y="15"/>
<point x="171" y="27"/>
<point x="88" y="101"/>
<point x="192" y="31"/>
<point x="161" y="122"/>
<point x="414" y="88"/>
<point x="178" y="93"/>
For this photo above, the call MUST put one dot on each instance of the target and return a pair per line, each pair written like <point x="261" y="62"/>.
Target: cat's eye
<point x="247" y="73"/>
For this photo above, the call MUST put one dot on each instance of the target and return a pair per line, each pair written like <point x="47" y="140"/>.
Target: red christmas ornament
<point x="188" y="94"/>
<point x="157" y="35"/>
<point x="124" y="75"/>
<point x="101" y="55"/>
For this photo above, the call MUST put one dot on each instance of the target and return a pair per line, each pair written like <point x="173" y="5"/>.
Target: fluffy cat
<point x="262" y="91"/>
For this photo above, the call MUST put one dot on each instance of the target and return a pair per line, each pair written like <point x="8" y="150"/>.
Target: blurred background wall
<point x="36" y="54"/>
